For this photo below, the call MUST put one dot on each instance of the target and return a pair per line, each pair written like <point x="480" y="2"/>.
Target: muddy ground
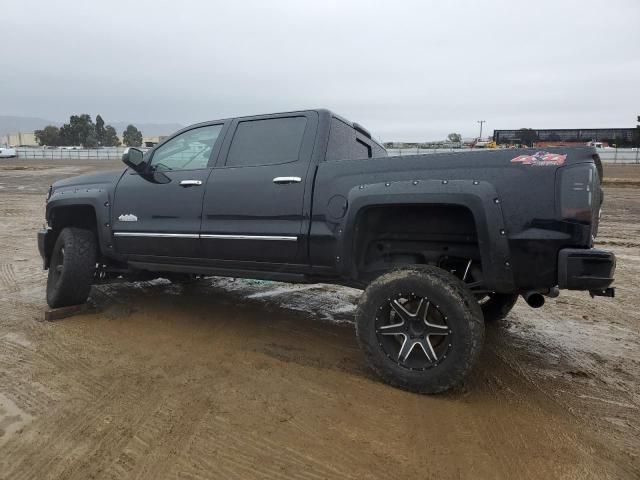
<point x="248" y="379"/>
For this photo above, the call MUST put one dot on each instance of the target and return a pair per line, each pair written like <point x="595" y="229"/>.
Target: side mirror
<point x="134" y="158"/>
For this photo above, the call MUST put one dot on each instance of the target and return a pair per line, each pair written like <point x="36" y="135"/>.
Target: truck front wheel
<point x="72" y="267"/>
<point x="420" y="328"/>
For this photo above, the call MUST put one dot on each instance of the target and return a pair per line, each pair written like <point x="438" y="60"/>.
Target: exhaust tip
<point x="533" y="299"/>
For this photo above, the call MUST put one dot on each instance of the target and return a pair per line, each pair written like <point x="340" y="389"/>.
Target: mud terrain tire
<point x="72" y="267"/>
<point x="498" y="306"/>
<point x="385" y="307"/>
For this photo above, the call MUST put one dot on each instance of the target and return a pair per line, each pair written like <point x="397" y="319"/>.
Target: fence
<point x="106" y="153"/>
<point x="608" y="155"/>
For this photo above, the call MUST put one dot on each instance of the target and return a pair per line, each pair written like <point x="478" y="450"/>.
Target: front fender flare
<point x="95" y="197"/>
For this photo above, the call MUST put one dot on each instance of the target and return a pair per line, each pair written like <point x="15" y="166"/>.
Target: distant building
<point x="153" y="141"/>
<point x="565" y="136"/>
<point x="20" y="139"/>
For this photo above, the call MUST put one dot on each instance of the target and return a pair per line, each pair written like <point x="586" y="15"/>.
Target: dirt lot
<point x="247" y="379"/>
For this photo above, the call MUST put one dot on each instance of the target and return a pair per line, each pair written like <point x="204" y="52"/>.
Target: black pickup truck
<point x="440" y="243"/>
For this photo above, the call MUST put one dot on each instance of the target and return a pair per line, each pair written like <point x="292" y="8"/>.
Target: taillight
<point x="579" y="193"/>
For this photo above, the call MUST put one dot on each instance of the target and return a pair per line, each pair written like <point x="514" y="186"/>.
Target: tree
<point x="79" y="131"/>
<point x="454" y="137"/>
<point x="49" y="135"/>
<point x="110" y="138"/>
<point x="91" y="140"/>
<point x="99" y="129"/>
<point x="132" y="137"/>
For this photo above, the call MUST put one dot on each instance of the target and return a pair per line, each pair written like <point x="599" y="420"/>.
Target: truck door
<point x="253" y="206"/>
<point x="158" y="213"/>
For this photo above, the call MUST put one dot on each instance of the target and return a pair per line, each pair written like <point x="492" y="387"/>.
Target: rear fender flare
<point x="479" y="197"/>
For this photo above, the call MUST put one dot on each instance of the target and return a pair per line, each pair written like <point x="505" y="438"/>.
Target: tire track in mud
<point x="159" y="440"/>
<point x="83" y="436"/>
<point x="245" y="454"/>
<point x="8" y="281"/>
<point x="554" y="377"/>
<point x="17" y="362"/>
<point x="12" y="212"/>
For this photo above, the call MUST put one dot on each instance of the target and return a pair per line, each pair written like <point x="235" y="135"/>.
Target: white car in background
<point x="6" y="152"/>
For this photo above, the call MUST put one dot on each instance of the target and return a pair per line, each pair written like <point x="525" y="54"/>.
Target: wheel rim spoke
<point x="419" y="328"/>
<point x="406" y="349"/>
<point x="427" y="343"/>
<point x="427" y="349"/>
<point x="400" y="310"/>
<point x="435" y="329"/>
<point x="395" y="329"/>
<point x="423" y="309"/>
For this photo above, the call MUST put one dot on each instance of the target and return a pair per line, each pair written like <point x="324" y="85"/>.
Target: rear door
<point x="253" y="206"/>
<point x="158" y="213"/>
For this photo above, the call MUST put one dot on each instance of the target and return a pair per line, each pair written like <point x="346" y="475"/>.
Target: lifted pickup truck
<point x="440" y="243"/>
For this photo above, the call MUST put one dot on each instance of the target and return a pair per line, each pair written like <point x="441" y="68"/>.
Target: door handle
<point x="190" y="183"/>
<point x="286" y="180"/>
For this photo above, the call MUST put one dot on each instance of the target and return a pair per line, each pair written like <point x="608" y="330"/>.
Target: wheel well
<point x="435" y="234"/>
<point x="82" y="216"/>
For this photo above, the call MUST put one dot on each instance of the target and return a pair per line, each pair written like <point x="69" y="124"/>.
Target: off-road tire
<point x="498" y="306"/>
<point x="71" y="284"/>
<point x="463" y="317"/>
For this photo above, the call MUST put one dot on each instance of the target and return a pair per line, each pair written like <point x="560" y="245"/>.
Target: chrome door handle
<point x="286" y="180"/>
<point x="190" y="183"/>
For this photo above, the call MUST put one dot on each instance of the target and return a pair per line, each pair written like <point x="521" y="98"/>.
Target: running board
<point x="221" y="272"/>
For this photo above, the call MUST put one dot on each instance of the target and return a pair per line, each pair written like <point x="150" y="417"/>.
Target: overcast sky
<point x="408" y="70"/>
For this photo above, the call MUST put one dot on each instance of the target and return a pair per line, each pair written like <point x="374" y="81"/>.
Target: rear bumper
<point x="585" y="269"/>
<point x="42" y="246"/>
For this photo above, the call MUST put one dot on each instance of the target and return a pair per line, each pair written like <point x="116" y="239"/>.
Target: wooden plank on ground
<point x="53" y="314"/>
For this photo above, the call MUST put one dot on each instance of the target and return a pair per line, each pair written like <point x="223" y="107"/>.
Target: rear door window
<point x="267" y="142"/>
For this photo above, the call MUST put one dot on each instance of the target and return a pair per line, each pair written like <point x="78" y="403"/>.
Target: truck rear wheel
<point x="72" y="267"/>
<point x="420" y="329"/>
<point x="497" y="306"/>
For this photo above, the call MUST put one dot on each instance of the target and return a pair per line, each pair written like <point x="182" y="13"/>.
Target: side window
<point x="362" y="150"/>
<point x="267" y="142"/>
<point x="344" y="143"/>
<point x="341" y="137"/>
<point x="189" y="150"/>
<point x="378" y="151"/>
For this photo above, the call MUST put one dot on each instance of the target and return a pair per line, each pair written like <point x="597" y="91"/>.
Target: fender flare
<point x="95" y="197"/>
<point x="479" y="197"/>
